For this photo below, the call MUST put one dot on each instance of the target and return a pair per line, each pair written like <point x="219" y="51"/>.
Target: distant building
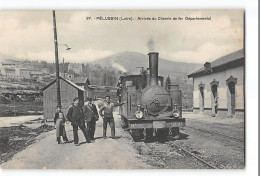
<point x="36" y="75"/>
<point x="84" y="82"/>
<point x="46" y="70"/>
<point x="8" y="70"/>
<point x="68" y="76"/>
<point x="47" y="78"/>
<point x="1" y="65"/>
<point x="76" y="68"/>
<point x="23" y="73"/>
<point x="219" y="86"/>
<point x="81" y="81"/>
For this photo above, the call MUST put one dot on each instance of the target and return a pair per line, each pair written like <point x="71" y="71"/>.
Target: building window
<point x="129" y="83"/>
<point x="231" y="83"/>
<point x="201" y="89"/>
<point x="214" y="96"/>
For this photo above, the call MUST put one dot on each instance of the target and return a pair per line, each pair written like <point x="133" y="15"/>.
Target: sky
<point x="29" y="34"/>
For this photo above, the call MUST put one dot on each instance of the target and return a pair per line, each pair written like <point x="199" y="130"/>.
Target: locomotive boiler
<point x="151" y="109"/>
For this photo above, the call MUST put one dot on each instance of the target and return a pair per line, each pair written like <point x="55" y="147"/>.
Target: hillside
<point x="106" y="71"/>
<point x="129" y="61"/>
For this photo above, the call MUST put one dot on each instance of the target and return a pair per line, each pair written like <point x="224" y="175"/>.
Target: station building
<point x="218" y="86"/>
<point x="68" y="90"/>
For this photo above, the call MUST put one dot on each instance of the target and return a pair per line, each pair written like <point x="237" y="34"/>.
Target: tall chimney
<point x="153" y="66"/>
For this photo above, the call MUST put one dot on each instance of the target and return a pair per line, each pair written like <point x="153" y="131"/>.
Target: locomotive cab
<point x="151" y="110"/>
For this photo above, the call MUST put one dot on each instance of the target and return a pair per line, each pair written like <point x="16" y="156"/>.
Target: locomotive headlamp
<point x="139" y="114"/>
<point x="176" y="113"/>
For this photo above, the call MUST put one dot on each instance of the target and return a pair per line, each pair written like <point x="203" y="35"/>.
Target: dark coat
<point x="57" y="116"/>
<point x="75" y="115"/>
<point x="90" y="112"/>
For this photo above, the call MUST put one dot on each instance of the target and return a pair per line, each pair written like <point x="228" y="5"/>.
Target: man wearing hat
<point x="76" y="116"/>
<point x="59" y="121"/>
<point x="119" y="92"/>
<point x="91" y="116"/>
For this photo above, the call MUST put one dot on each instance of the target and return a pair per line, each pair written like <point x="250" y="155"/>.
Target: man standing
<point x="76" y="117"/>
<point x="108" y="116"/>
<point x="59" y="121"/>
<point x="216" y="104"/>
<point x="119" y="92"/>
<point x="91" y="116"/>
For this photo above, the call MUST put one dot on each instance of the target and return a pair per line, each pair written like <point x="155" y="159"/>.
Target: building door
<point x="201" y="98"/>
<point x="232" y="90"/>
<point x="214" y="90"/>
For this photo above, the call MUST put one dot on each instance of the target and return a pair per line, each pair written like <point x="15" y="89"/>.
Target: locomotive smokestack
<point x="153" y="66"/>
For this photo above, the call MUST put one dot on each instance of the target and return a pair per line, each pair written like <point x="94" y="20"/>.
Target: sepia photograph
<point x="122" y="89"/>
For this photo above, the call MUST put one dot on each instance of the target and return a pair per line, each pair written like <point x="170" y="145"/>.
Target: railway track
<point x="159" y="158"/>
<point x="236" y="142"/>
<point x="160" y="155"/>
<point x="220" y="139"/>
<point x="216" y="133"/>
<point x="195" y="156"/>
<point x="189" y="158"/>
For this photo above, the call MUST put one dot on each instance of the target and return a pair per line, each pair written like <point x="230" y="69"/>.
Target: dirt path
<point x="103" y="154"/>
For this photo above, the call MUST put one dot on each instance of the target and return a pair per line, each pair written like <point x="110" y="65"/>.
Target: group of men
<point x="80" y="116"/>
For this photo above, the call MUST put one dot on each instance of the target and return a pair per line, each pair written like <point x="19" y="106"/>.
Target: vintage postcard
<point x="122" y="89"/>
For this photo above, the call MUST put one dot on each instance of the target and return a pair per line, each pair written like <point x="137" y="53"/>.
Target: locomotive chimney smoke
<point x="153" y="67"/>
<point x="150" y="44"/>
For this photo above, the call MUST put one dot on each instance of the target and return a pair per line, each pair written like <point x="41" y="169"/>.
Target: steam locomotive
<point x="151" y="109"/>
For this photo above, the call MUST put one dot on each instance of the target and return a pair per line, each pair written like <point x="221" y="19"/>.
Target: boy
<point x="59" y="121"/>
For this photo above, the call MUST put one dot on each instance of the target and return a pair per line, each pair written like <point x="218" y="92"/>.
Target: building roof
<point x="221" y="62"/>
<point x="102" y="87"/>
<point x="80" y="80"/>
<point x="69" y="82"/>
<point x="24" y="69"/>
<point x="10" y="69"/>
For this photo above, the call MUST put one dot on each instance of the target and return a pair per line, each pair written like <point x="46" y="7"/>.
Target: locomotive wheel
<point x="124" y="122"/>
<point x="162" y="135"/>
<point x="137" y="135"/>
<point x="175" y="131"/>
<point x="149" y="135"/>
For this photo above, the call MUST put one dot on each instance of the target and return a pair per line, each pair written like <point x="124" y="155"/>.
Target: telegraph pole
<point x="63" y="69"/>
<point x="56" y="60"/>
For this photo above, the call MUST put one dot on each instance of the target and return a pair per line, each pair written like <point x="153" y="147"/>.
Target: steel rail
<point x="195" y="156"/>
<point x="216" y="133"/>
<point x="158" y="157"/>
